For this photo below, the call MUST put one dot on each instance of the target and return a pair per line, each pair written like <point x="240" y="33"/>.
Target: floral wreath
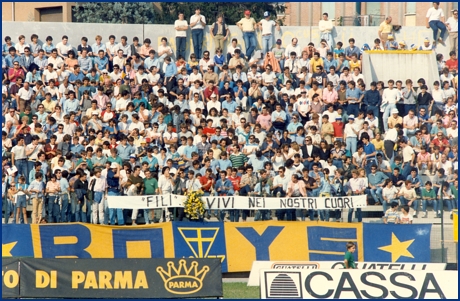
<point x="194" y="205"/>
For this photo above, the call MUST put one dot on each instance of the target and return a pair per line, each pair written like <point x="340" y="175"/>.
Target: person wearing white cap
<point x="350" y="134"/>
<point x="325" y="27"/>
<point x="214" y="103"/>
<point x="391" y="44"/>
<point x="426" y="45"/>
<point x="402" y="45"/>
<point x="394" y="119"/>
<point x="267" y="32"/>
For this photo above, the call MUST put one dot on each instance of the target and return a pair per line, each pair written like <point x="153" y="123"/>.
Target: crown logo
<point x="182" y="280"/>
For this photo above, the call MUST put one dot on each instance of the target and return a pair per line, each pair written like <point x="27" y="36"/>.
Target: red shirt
<point x="441" y="143"/>
<point x="236" y="182"/>
<point x="452" y="64"/>
<point x="208" y="92"/>
<point x="208" y="131"/>
<point x="203" y="181"/>
<point x="338" y="129"/>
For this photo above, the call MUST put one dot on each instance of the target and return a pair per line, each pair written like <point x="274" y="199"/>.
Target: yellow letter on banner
<point x="281" y="241"/>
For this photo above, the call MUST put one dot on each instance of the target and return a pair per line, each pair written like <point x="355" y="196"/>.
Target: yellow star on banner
<point x="6" y="249"/>
<point x="398" y="248"/>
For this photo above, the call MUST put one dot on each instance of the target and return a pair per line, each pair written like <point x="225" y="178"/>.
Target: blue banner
<point x="397" y="243"/>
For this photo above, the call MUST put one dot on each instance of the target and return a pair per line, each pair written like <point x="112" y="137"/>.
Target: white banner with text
<point x="259" y="265"/>
<point x="238" y="202"/>
<point x="358" y="284"/>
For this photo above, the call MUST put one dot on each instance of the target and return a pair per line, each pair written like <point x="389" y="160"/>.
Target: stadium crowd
<point x="113" y="118"/>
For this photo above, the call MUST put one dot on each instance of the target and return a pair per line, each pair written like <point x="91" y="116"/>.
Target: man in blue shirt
<point x="76" y="74"/>
<point x="170" y="75"/>
<point x="329" y="61"/>
<point x="376" y="180"/>
<point x="223" y="163"/>
<point x="352" y="49"/>
<point x="12" y="57"/>
<point x="369" y="150"/>
<point x="101" y="62"/>
<point x="352" y="96"/>
<point x="279" y="118"/>
<point x="229" y="104"/>
<point x="189" y="149"/>
<point x="124" y="150"/>
<point x="151" y="61"/>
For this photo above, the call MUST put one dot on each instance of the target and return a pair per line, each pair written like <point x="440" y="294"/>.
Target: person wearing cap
<point x="426" y="45"/>
<point x="248" y="26"/>
<point x="452" y="26"/>
<point x="391" y="44"/>
<point x="402" y="45"/>
<point x="266" y="25"/>
<point x="325" y="27"/>
<point x="278" y="53"/>
<point x="197" y="24"/>
<point x="394" y="119"/>
<point x="435" y="21"/>
<point x="385" y="29"/>
<point x="350" y="134"/>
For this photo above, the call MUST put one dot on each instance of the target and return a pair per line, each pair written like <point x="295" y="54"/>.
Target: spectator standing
<point x="325" y="27"/>
<point x="452" y="26"/>
<point x="181" y="27"/>
<point x="247" y="25"/>
<point x="267" y="32"/>
<point x="435" y="21"/>
<point x="385" y="29"/>
<point x="219" y="32"/>
<point x="197" y="24"/>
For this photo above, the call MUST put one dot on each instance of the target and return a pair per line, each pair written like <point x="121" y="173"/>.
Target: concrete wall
<point x="305" y="34"/>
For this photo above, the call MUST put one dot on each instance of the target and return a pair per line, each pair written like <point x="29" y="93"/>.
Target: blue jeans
<point x="328" y="37"/>
<point x="405" y="201"/>
<point x="377" y="195"/>
<point x="53" y="210"/>
<point x="234" y="215"/>
<point x="113" y="211"/>
<point x="353" y="109"/>
<point x="180" y="47"/>
<point x="250" y="42"/>
<point x="267" y="43"/>
<point x="438" y="25"/>
<point x="433" y="203"/>
<point x="351" y="144"/>
<point x="408" y="107"/>
<point x="359" y="215"/>
<point x="375" y="110"/>
<point x="9" y="208"/>
<point x="450" y="204"/>
<point x="338" y="163"/>
<point x="23" y="169"/>
<point x="386" y="114"/>
<point x="64" y="208"/>
<point x="197" y="37"/>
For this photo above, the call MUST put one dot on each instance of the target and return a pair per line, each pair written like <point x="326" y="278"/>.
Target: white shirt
<point x="267" y="26"/>
<point x="269" y="78"/>
<point x="25" y="94"/>
<point x="325" y="26"/>
<point x="179" y="23"/>
<point x="195" y="18"/>
<point x="20" y="48"/>
<point x="111" y="47"/>
<point x="63" y="48"/>
<point x="55" y="61"/>
<point x="453" y="24"/>
<point x="290" y="48"/>
<point x="49" y="75"/>
<point x="391" y="96"/>
<point x="434" y="14"/>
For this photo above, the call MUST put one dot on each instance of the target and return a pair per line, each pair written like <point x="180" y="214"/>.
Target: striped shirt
<point x="238" y="160"/>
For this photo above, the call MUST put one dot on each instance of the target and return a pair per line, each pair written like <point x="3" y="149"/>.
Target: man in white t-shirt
<point x="325" y="27"/>
<point x="63" y="47"/>
<point x="181" y="27"/>
<point x="435" y="21"/>
<point x="267" y="32"/>
<point x="197" y="24"/>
